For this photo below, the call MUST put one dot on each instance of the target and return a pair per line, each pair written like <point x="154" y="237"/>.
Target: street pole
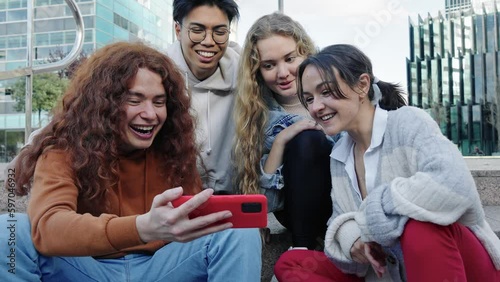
<point x="280" y="6"/>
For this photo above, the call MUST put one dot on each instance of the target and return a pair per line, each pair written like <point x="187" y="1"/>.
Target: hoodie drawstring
<point x="146" y="206"/>
<point x="209" y="149"/>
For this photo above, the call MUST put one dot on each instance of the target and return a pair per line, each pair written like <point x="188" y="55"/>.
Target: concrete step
<point x="493" y="218"/>
<point x="486" y="173"/>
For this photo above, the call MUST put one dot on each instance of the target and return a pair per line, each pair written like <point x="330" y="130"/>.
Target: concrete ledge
<point x="493" y="218"/>
<point x="486" y="173"/>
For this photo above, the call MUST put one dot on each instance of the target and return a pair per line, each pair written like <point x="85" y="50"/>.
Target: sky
<point x="378" y="27"/>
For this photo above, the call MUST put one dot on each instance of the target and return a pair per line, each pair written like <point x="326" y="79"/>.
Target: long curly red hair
<point x="87" y="123"/>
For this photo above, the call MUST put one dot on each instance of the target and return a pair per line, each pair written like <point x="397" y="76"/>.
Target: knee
<point x="249" y="235"/>
<point x="297" y="262"/>
<point x="309" y="144"/>
<point x="245" y="239"/>
<point x="289" y="260"/>
<point x="420" y="237"/>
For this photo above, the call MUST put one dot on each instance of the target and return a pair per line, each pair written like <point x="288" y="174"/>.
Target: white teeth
<point x="206" y="54"/>
<point x="144" y="128"/>
<point x="327" y="117"/>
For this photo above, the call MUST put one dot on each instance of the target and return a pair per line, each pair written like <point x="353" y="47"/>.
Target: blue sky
<point x="378" y="27"/>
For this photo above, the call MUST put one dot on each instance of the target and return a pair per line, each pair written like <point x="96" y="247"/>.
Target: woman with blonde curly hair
<point x="101" y="173"/>
<point x="275" y="132"/>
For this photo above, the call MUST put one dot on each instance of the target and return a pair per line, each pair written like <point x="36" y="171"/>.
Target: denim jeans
<point x="230" y="255"/>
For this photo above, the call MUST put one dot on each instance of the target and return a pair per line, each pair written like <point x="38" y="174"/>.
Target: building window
<point x="17" y="15"/>
<point x="15" y="28"/>
<point x="16" y="54"/>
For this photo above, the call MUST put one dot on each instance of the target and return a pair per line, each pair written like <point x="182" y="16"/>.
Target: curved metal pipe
<point x="29" y="70"/>
<point x="70" y="57"/>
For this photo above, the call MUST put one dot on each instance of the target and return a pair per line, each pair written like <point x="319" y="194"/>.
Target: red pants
<point x="432" y="253"/>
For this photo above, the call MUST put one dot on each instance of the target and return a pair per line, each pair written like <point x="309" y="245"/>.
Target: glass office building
<point x="451" y="6"/>
<point x="54" y="30"/>
<point x="453" y="72"/>
<point x="105" y="21"/>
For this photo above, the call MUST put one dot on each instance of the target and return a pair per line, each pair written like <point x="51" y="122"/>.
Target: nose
<point x="208" y="40"/>
<point x="283" y="71"/>
<point x="148" y="111"/>
<point x="316" y="106"/>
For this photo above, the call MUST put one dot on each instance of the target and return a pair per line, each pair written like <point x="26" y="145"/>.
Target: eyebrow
<point x="325" y="84"/>
<point x="138" y="94"/>
<point x="286" y="55"/>
<point x="319" y="86"/>
<point x="204" y="26"/>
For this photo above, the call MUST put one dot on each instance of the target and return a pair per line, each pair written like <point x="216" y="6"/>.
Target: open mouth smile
<point x="143" y="130"/>
<point x="206" y="54"/>
<point x="327" y="117"/>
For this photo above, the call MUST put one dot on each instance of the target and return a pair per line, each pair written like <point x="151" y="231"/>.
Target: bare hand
<point x="371" y="253"/>
<point x="376" y="256"/>
<point x="358" y="252"/>
<point x="275" y="158"/>
<point x="164" y="222"/>
<point x="288" y="133"/>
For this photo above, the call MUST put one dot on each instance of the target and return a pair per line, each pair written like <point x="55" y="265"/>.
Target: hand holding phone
<point x="249" y="211"/>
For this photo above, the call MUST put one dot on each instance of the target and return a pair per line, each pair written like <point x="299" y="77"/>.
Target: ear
<point x="364" y="85"/>
<point x="177" y="27"/>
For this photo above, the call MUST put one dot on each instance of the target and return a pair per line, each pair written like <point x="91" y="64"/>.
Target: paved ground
<point x="488" y="168"/>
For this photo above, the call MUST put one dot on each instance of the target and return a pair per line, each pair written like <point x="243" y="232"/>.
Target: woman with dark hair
<point x="405" y="206"/>
<point x="100" y="177"/>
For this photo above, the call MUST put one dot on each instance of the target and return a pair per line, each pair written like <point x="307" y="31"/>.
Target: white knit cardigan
<point x="421" y="175"/>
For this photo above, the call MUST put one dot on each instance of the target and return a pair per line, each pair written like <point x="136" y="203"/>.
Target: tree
<point x="58" y="54"/>
<point x="47" y="89"/>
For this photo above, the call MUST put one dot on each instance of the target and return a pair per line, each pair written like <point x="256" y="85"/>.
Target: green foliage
<point x="47" y="89"/>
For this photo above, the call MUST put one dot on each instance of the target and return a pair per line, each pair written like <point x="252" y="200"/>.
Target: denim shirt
<point x="278" y="120"/>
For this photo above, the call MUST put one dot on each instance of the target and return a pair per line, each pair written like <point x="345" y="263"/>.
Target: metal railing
<point x="30" y="70"/>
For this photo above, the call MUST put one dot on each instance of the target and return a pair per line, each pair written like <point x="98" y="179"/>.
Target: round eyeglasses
<point x="220" y="35"/>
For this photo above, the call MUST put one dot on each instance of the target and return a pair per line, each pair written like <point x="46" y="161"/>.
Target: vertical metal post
<point x="29" y="65"/>
<point x="280" y="6"/>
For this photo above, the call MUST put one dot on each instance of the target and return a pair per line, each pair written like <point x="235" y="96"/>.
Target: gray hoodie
<point x="212" y="106"/>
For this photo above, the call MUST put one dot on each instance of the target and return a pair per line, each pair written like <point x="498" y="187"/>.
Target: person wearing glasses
<point x="209" y="64"/>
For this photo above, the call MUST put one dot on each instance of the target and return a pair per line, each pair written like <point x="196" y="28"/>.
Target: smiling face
<point x="203" y="57"/>
<point x="333" y="114"/>
<point x="145" y="109"/>
<point x="279" y="60"/>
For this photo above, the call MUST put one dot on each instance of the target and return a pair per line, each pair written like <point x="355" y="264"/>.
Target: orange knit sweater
<point x="62" y="226"/>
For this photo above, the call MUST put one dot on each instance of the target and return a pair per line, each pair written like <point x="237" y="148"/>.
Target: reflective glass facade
<point x="454" y="74"/>
<point x="105" y="21"/>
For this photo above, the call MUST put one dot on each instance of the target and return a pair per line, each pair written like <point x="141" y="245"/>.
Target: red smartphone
<point x="249" y="211"/>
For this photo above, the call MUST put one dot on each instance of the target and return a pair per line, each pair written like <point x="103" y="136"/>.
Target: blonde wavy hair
<point x="251" y="110"/>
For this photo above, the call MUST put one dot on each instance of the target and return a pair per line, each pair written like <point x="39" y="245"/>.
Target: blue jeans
<point x="230" y="255"/>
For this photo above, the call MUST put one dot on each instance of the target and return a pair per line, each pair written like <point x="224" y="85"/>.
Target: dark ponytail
<point x="392" y="95"/>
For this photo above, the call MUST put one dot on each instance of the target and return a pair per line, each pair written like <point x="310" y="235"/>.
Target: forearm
<point x="275" y="157"/>
<point x="57" y="227"/>
<point x="341" y="234"/>
<point x="66" y="233"/>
